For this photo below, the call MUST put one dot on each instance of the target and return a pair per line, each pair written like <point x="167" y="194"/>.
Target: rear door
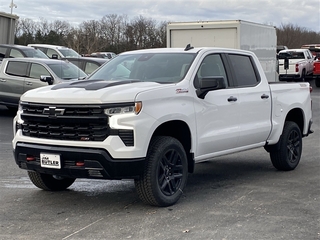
<point x="253" y="101"/>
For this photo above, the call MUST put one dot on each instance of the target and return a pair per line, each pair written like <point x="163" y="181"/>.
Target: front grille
<point x="69" y="122"/>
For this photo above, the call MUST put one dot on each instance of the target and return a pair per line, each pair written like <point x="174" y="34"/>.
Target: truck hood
<point x="90" y="92"/>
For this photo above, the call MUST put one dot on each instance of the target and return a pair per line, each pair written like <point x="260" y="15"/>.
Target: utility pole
<point x="10" y="40"/>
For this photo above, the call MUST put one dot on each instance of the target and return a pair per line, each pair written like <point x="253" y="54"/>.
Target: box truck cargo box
<point x="258" y="38"/>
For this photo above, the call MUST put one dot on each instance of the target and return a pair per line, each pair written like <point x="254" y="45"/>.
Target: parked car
<point x="299" y="67"/>
<point x="18" y="75"/>
<point x="19" y="51"/>
<point x="87" y="64"/>
<point x="107" y="55"/>
<point x="55" y="51"/>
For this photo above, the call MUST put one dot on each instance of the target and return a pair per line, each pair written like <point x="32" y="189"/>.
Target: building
<point x="7" y="26"/>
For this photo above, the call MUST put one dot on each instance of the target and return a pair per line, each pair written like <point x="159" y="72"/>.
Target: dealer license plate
<point x="50" y="160"/>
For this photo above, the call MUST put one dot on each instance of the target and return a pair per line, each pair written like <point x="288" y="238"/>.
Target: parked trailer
<point x="258" y="38"/>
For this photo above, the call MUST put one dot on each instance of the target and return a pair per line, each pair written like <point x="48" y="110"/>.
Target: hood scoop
<point x="92" y="84"/>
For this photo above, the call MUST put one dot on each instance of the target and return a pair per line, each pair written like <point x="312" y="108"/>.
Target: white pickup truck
<point x="150" y="115"/>
<point x="299" y="66"/>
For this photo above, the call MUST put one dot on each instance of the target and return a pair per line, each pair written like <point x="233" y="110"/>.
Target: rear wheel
<point x="286" y="154"/>
<point x="165" y="173"/>
<point x="303" y="76"/>
<point x="317" y="81"/>
<point x="50" y="182"/>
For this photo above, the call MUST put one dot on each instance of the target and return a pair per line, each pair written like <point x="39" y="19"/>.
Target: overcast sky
<point x="302" y="13"/>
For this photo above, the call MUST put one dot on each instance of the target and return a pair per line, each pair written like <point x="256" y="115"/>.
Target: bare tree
<point x="117" y="33"/>
<point x="294" y="36"/>
<point x="91" y="34"/>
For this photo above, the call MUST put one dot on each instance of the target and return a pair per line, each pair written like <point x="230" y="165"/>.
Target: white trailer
<point x="258" y="38"/>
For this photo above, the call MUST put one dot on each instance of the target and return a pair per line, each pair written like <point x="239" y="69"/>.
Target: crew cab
<point x="299" y="65"/>
<point x="151" y="115"/>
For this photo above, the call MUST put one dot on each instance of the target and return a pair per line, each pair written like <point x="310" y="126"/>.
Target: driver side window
<point x="211" y="66"/>
<point x="37" y="70"/>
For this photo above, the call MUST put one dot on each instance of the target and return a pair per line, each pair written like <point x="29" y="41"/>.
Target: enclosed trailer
<point x="258" y="38"/>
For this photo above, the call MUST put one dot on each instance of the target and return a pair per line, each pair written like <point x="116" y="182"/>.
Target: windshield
<point x="149" y="67"/>
<point x="35" y="53"/>
<point x="291" y="55"/>
<point x="69" y="52"/>
<point x="67" y="70"/>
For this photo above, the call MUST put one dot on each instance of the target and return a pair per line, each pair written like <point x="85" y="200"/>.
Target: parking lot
<point x="239" y="196"/>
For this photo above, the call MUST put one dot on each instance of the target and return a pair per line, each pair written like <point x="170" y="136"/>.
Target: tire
<point x="286" y="154"/>
<point x="303" y="76"/>
<point x="317" y="82"/>
<point x="49" y="182"/>
<point x="165" y="174"/>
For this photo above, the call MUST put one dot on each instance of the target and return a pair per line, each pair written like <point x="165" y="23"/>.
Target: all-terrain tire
<point x="317" y="81"/>
<point x="165" y="174"/>
<point x="303" y="76"/>
<point x="286" y="154"/>
<point x="49" y="182"/>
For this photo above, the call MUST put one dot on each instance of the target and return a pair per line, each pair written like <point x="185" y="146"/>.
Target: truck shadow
<point x="209" y="177"/>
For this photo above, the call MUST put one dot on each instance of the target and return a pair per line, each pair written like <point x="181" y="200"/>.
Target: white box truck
<point x="258" y="38"/>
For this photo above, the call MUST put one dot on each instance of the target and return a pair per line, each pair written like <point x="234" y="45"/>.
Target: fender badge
<point x="182" y="90"/>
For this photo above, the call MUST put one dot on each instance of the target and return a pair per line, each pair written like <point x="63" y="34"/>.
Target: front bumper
<point x="78" y="162"/>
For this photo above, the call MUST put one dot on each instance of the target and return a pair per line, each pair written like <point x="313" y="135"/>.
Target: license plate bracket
<point x="49" y="160"/>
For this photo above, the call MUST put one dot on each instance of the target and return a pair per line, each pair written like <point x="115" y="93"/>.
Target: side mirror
<point x="47" y="79"/>
<point x="54" y="56"/>
<point x="208" y="84"/>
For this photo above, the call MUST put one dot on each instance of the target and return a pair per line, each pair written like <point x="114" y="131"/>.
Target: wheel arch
<point x="181" y="131"/>
<point x="296" y="115"/>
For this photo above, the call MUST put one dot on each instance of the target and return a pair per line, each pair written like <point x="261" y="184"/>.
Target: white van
<point x="55" y="51"/>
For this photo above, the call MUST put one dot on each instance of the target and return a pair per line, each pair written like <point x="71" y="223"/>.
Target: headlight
<point x="136" y="108"/>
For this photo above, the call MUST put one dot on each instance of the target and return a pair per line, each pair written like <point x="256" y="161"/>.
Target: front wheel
<point x="50" y="182"/>
<point x="165" y="173"/>
<point x="286" y="154"/>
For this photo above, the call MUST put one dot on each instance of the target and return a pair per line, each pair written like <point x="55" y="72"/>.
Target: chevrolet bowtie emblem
<point x="53" y="111"/>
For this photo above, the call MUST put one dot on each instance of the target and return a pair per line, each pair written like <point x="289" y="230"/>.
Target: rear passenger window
<point x="17" y="69"/>
<point x="245" y="73"/>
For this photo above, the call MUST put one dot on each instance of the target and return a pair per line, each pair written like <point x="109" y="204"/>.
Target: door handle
<point x="232" y="99"/>
<point x="264" y="96"/>
<point x="29" y="83"/>
<point x="3" y="80"/>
